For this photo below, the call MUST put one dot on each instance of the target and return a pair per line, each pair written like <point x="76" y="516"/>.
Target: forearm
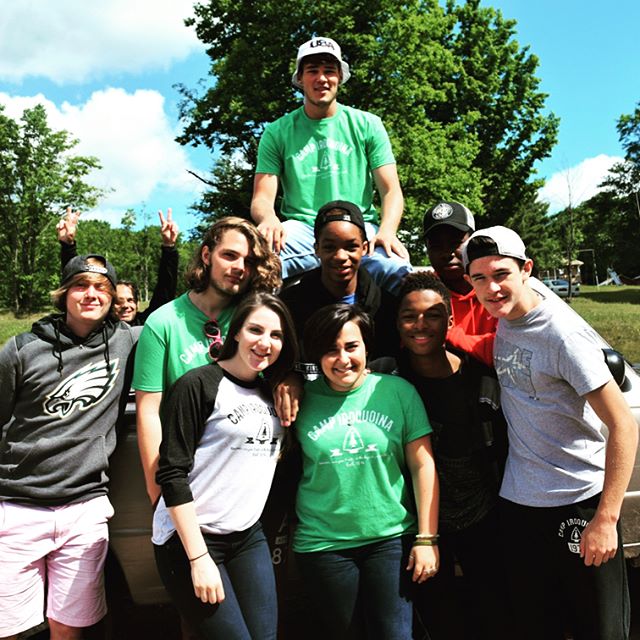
<point x="425" y="485"/>
<point x="620" y="457"/>
<point x="262" y="209"/>
<point x="149" y="430"/>
<point x="185" y="519"/>
<point x="391" y="210"/>
<point x="611" y="407"/>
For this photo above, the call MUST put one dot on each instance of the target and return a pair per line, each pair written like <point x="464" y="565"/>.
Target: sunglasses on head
<point x="212" y="332"/>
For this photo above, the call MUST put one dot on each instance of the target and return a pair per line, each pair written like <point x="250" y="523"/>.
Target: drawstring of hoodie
<point x="57" y="347"/>
<point x="105" y="337"/>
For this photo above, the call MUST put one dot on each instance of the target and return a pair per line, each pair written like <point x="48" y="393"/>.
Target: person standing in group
<point x="363" y="537"/>
<point x="327" y="151"/>
<point x="462" y="399"/>
<point x="189" y="331"/>
<point x="125" y="306"/>
<point x="64" y="386"/>
<point x="218" y="422"/>
<point x="445" y="228"/>
<point x="564" y="481"/>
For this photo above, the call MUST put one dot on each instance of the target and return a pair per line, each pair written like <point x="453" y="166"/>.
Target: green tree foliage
<point x="608" y="225"/>
<point x="457" y="93"/>
<point x="38" y="178"/>
<point x="624" y="177"/>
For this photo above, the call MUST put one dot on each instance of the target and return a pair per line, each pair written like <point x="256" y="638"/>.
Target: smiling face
<point x="320" y="79"/>
<point x="423" y="322"/>
<point x="344" y="364"/>
<point x="340" y="248"/>
<point x="231" y="262"/>
<point x="125" y="305"/>
<point x="501" y="286"/>
<point x="259" y="343"/>
<point x="87" y="304"/>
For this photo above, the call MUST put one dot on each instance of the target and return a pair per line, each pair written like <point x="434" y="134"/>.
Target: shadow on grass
<point x="613" y="294"/>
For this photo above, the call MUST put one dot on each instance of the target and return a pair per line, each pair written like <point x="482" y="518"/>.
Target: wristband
<point x="202" y="555"/>
<point x="427" y="536"/>
<point x="426" y="543"/>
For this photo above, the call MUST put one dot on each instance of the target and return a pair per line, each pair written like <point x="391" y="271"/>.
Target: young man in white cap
<point x="327" y="151"/>
<point x="564" y="482"/>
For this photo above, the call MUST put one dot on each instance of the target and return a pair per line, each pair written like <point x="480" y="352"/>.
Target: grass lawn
<point x="10" y="326"/>
<point x="613" y="311"/>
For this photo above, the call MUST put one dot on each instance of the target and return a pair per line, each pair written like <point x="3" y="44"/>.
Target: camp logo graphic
<point x="572" y="528"/>
<point x="442" y="211"/>
<point x="85" y="388"/>
<point x="352" y="443"/>
<point x="264" y="435"/>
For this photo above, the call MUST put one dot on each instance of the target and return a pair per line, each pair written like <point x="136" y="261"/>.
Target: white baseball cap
<point x="320" y="45"/>
<point x="503" y="242"/>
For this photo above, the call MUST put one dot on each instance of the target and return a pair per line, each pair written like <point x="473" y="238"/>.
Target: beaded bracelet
<point x="202" y="555"/>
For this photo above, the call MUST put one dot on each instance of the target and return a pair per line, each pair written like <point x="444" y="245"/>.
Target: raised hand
<point x="168" y="229"/>
<point x="67" y="227"/>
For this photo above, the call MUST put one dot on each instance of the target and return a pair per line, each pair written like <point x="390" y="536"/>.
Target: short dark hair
<point x="424" y="281"/>
<point x="247" y="305"/>
<point x="323" y="327"/>
<point x="265" y="275"/>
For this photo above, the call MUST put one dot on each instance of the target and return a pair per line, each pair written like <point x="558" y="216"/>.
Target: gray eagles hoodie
<point x="60" y="399"/>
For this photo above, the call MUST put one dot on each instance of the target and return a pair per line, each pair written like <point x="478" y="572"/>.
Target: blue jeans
<point x="362" y="592"/>
<point x="249" y="610"/>
<point x="299" y="256"/>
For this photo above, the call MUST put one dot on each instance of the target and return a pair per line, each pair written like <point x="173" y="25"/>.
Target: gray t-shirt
<point x="546" y="362"/>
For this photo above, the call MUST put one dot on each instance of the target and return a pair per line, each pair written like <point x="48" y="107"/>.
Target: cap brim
<point x="456" y="225"/>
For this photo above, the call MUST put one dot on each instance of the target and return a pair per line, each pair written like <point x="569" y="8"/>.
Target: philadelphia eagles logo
<point x="83" y="389"/>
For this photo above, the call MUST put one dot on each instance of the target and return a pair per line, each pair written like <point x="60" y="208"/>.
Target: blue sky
<point x="105" y="72"/>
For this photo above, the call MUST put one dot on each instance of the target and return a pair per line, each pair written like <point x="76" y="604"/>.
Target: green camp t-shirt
<point x="322" y="160"/>
<point x="172" y="342"/>
<point x="354" y="488"/>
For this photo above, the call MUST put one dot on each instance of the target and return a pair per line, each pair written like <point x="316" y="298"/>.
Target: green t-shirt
<point x="322" y="160"/>
<point x="355" y="483"/>
<point x="172" y="342"/>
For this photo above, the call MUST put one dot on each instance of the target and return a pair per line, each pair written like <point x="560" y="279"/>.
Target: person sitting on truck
<point x="126" y="302"/>
<point x="564" y="481"/>
<point x="221" y="440"/>
<point x="326" y="151"/>
<point x="64" y="386"/>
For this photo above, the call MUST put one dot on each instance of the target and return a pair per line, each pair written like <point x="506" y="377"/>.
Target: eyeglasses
<point x="212" y="331"/>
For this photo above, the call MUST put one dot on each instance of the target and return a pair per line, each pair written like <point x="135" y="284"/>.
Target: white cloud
<point x="577" y="184"/>
<point x="132" y="137"/>
<point x="81" y="40"/>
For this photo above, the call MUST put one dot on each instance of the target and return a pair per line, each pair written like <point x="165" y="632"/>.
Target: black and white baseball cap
<point x="452" y="214"/>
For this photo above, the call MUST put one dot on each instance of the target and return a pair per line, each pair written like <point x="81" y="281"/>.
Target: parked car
<point x="561" y="287"/>
<point x="132" y="577"/>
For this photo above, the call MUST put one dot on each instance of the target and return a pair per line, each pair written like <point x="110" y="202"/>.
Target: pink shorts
<point x="64" y="547"/>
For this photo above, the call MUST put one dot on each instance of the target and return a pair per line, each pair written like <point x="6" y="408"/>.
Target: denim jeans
<point x="362" y="592"/>
<point x="249" y="610"/>
<point x="299" y="256"/>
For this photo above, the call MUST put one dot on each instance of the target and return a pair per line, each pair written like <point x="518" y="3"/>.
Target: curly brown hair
<point x="266" y="270"/>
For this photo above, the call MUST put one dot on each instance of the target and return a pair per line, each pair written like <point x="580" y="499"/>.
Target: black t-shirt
<point x="468" y="487"/>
